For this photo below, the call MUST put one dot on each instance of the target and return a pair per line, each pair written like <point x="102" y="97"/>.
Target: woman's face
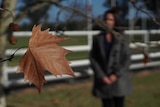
<point x="110" y="21"/>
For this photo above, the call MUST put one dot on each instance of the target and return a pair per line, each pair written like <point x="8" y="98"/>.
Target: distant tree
<point x="37" y="15"/>
<point x="148" y="7"/>
<point x="123" y="4"/>
<point x="72" y="20"/>
<point x="153" y="5"/>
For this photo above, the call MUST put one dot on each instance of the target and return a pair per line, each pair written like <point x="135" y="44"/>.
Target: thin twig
<point x="99" y="23"/>
<point x="10" y="58"/>
<point x="146" y="12"/>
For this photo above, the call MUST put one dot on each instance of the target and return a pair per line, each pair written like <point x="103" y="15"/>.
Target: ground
<point x="146" y="93"/>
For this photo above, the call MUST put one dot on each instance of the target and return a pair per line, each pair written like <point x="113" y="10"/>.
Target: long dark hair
<point x="115" y="11"/>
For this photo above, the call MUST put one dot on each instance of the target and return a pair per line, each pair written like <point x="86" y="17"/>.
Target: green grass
<point x="140" y="38"/>
<point x="21" y="42"/>
<point x="72" y="40"/>
<point x="146" y="93"/>
<point x="77" y="55"/>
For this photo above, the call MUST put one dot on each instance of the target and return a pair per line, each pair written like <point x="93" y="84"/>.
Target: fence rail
<point x="85" y="62"/>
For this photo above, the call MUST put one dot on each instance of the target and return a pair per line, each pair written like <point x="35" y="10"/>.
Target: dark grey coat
<point x="118" y="63"/>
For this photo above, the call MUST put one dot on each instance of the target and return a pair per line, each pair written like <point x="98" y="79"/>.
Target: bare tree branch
<point x="98" y="22"/>
<point x="10" y="58"/>
<point x="41" y="3"/>
<point x="133" y="2"/>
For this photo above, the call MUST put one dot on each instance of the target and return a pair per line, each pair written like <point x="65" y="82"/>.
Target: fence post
<point x="146" y="41"/>
<point x="4" y="75"/>
<point x="89" y="39"/>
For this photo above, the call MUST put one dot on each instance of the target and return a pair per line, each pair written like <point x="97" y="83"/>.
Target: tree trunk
<point x="5" y="19"/>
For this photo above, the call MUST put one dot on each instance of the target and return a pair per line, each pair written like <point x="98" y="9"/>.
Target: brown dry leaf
<point x="42" y="54"/>
<point x="131" y="101"/>
<point x="146" y="58"/>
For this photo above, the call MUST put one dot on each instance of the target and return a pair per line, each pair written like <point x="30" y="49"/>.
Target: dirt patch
<point x="53" y="87"/>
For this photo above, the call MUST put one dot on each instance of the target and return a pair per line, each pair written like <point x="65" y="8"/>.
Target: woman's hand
<point x="106" y="80"/>
<point x="109" y="80"/>
<point x="113" y="78"/>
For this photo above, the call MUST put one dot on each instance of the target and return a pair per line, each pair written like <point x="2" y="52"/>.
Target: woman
<point x="110" y="59"/>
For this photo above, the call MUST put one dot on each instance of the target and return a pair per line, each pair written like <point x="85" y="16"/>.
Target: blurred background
<point x="76" y="19"/>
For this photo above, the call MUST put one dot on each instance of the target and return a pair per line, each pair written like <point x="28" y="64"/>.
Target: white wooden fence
<point x="85" y="62"/>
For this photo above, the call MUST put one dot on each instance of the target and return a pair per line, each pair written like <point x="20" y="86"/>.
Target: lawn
<point x="72" y="40"/>
<point x="146" y="93"/>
